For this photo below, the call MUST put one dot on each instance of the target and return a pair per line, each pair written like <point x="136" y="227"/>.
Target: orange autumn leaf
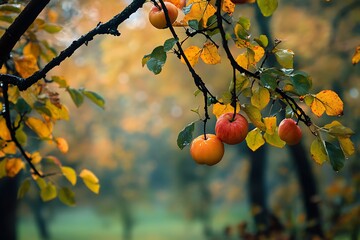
<point x="26" y="65"/>
<point x="356" y="57"/>
<point x="62" y="144"/>
<point x="4" y="131"/>
<point x="13" y="166"/>
<point x="32" y="49"/>
<point x="192" y="53"/>
<point x="210" y="54"/>
<point x="228" y="6"/>
<point x="327" y="101"/>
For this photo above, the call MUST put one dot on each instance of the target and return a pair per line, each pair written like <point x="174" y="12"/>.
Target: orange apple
<point x="231" y="129"/>
<point x="157" y="15"/>
<point x="207" y="151"/>
<point x="289" y="131"/>
<point x="178" y="3"/>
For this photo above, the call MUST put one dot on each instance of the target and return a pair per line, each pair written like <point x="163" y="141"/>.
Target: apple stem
<point x="233" y="95"/>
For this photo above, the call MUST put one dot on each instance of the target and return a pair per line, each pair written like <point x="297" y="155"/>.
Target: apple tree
<point x="257" y="93"/>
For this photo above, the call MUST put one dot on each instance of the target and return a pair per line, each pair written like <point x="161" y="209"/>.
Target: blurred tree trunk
<point x="309" y="191"/>
<point x="8" y="205"/>
<point x="300" y="159"/>
<point x="257" y="190"/>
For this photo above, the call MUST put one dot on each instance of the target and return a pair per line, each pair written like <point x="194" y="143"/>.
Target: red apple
<point x="230" y="129"/>
<point x="289" y="131"/>
<point x="157" y="15"/>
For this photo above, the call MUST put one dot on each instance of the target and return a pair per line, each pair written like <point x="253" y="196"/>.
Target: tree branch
<point x="19" y="26"/>
<point x="109" y="27"/>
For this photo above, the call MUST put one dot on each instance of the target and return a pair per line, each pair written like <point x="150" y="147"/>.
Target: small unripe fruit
<point x="207" y="151"/>
<point x="289" y="131"/>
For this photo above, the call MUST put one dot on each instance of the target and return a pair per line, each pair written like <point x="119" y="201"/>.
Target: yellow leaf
<point x="228" y="6"/>
<point x="243" y="60"/>
<point x="90" y="180"/>
<point x="356" y="57"/>
<point x="26" y="65"/>
<point x="318" y="152"/>
<point x="331" y="102"/>
<point x="317" y="107"/>
<point x="9" y="148"/>
<point x="219" y="109"/>
<point x="246" y="59"/>
<point x="270" y="124"/>
<point x="259" y="53"/>
<point x="4" y="131"/>
<point x="67" y="196"/>
<point x="192" y="53"/>
<point x="201" y="10"/>
<point x="210" y="54"/>
<point x="39" y="127"/>
<point x="260" y="98"/>
<point x="274" y="139"/>
<point x="347" y="146"/>
<point x="254" y="115"/>
<point x="48" y="192"/>
<point x="35" y="157"/>
<point x="69" y="174"/>
<point x="14" y="166"/>
<point x="32" y="48"/>
<point x="62" y="144"/>
<point x="57" y="112"/>
<point x="254" y="139"/>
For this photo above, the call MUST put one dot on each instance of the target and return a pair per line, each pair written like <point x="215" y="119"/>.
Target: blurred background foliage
<point x="149" y="188"/>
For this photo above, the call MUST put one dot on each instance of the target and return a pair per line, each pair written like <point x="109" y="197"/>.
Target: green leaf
<point x="51" y="28"/>
<point x="157" y="60"/>
<point x="21" y="135"/>
<point x="285" y="58"/>
<point x="94" y="97"/>
<point x="48" y="192"/>
<point x="67" y="196"/>
<point x="22" y="106"/>
<point x="301" y="82"/>
<point x="269" y="78"/>
<point x="187" y="9"/>
<point x="3" y="168"/>
<point x="70" y="174"/>
<point x="24" y="188"/>
<point x="267" y="7"/>
<point x="263" y="41"/>
<point x="242" y="82"/>
<point x="185" y="136"/>
<point x="274" y="140"/>
<point x="6" y="18"/>
<point x="15" y="8"/>
<point x="76" y="96"/>
<point x="244" y="22"/>
<point x="194" y="24"/>
<point x="169" y="44"/>
<point x="318" y="152"/>
<point x="254" y="139"/>
<point x="336" y="156"/>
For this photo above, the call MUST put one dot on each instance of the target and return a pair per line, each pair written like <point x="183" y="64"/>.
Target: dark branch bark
<point x="19" y="26"/>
